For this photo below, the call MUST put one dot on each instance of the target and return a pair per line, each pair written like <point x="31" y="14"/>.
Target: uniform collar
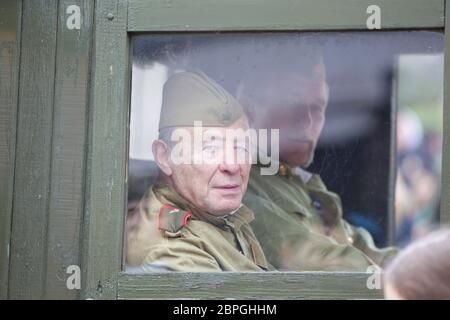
<point x="167" y="195"/>
<point x="305" y="175"/>
<point x="284" y="170"/>
<point x="243" y="215"/>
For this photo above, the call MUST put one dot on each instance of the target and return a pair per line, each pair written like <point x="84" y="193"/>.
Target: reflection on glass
<point x="320" y="108"/>
<point x="419" y="145"/>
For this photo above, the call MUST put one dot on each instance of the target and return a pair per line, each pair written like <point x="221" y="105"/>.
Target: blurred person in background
<point x="299" y="222"/>
<point x="416" y="200"/>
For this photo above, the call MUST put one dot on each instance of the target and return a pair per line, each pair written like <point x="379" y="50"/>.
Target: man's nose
<point x="229" y="167"/>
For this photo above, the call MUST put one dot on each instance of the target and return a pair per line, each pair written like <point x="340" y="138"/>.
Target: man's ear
<point x="161" y="154"/>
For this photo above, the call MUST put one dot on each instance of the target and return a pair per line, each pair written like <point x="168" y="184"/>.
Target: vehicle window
<point x="342" y="147"/>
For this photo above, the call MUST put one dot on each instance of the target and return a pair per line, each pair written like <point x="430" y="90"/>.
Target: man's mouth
<point x="227" y="186"/>
<point x="229" y="190"/>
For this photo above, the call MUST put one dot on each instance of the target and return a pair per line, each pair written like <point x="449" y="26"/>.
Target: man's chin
<point x="225" y="208"/>
<point x="298" y="155"/>
<point x="299" y="161"/>
<point x="308" y="162"/>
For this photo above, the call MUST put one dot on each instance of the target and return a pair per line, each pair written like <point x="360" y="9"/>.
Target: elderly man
<point x="299" y="222"/>
<point x="192" y="219"/>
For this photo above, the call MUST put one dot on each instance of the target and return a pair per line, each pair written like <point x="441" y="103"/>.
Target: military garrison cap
<point x="193" y="96"/>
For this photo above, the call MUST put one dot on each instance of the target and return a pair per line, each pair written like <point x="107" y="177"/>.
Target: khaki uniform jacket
<point x="170" y="236"/>
<point x="300" y="226"/>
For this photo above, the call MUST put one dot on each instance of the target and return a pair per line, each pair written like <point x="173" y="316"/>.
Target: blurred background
<point x="419" y="145"/>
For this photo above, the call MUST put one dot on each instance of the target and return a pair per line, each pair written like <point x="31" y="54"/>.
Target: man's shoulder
<point x="158" y="228"/>
<point x="155" y="218"/>
<point x="258" y="181"/>
<point x="293" y="192"/>
<point x="277" y="185"/>
<point x="172" y="219"/>
<point x="299" y="177"/>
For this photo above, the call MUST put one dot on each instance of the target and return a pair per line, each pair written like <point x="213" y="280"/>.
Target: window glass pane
<point x="419" y="144"/>
<point x="282" y="151"/>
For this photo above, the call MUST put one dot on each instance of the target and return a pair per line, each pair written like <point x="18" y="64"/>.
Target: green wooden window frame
<point x="44" y="75"/>
<point x="115" y="21"/>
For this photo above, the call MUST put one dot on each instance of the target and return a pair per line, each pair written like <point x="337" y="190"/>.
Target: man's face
<point x="299" y="114"/>
<point x="217" y="188"/>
